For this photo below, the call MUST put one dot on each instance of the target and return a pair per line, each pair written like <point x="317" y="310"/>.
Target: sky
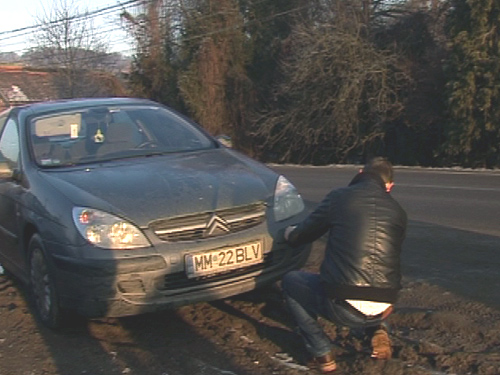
<point x="19" y="14"/>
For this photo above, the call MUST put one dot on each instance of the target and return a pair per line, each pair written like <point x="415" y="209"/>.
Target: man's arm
<point x="313" y="227"/>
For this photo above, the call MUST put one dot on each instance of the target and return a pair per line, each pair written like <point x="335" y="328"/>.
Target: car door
<point x="10" y="192"/>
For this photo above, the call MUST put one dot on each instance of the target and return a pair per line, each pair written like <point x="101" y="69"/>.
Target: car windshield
<point x="105" y="133"/>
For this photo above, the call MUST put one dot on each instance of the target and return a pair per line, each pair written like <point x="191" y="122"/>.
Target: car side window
<point x="3" y="118"/>
<point x="9" y="144"/>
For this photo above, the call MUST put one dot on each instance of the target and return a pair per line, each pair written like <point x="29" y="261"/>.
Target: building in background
<point x="19" y="85"/>
<point x="22" y="85"/>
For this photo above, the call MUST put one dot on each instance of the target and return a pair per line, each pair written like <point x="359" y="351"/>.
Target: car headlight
<point x="287" y="201"/>
<point x="107" y="231"/>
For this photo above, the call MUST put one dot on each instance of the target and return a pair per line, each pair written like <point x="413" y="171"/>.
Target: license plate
<point x="224" y="259"/>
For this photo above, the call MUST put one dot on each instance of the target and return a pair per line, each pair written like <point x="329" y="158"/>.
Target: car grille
<point x="179" y="280"/>
<point x="209" y="224"/>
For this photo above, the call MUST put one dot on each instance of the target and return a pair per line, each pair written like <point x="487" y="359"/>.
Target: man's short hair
<point x="380" y="166"/>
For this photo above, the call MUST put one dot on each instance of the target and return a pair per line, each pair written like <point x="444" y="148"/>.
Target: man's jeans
<point x="307" y="299"/>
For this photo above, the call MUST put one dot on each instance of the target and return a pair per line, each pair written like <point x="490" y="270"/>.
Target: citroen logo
<point x="215" y="225"/>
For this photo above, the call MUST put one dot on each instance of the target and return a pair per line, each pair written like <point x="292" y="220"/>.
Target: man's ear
<point x="389" y="186"/>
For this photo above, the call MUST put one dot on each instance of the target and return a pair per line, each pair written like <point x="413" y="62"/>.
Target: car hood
<point x="147" y="189"/>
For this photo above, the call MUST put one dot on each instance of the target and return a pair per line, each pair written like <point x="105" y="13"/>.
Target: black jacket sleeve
<point x="315" y="225"/>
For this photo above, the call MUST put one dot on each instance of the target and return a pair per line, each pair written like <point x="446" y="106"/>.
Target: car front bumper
<point x="122" y="287"/>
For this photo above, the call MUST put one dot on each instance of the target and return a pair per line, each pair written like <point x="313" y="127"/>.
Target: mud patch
<point x="434" y="332"/>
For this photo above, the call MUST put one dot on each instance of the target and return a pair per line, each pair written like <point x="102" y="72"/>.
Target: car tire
<point x="42" y="287"/>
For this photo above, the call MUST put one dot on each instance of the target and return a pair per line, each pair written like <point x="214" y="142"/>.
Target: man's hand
<point x="289" y="230"/>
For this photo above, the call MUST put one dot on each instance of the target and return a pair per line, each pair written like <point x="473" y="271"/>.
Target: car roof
<point x="68" y="104"/>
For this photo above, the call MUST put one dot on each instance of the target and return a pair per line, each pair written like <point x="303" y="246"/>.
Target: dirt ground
<point x="434" y="331"/>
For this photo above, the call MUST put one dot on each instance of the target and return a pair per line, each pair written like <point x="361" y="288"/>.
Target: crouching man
<point x="360" y="274"/>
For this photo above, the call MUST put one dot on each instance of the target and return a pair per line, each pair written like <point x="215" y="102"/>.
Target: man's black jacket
<point x="366" y="228"/>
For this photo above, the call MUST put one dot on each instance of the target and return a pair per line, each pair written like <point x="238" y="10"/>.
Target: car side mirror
<point x="225" y="140"/>
<point x="6" y="172"/>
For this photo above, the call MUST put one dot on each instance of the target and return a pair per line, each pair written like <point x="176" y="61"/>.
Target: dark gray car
<point x="120" y="206"/>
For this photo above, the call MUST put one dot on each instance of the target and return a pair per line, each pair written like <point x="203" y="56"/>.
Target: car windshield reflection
<point x="106" y="133"/>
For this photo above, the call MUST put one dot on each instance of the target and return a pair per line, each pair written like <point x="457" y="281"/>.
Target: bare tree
<point x="154" y="66"/>
<point x="212" y="85"/>
<point x="191" y="55"/>
<point x="68" y="42"/>
<point x="339" y="93"/>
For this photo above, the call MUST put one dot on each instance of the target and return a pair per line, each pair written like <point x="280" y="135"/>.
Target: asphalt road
<point x="453" y="237"/>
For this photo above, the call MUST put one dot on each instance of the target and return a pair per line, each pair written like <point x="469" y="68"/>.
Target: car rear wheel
<point x="42" y="286"/>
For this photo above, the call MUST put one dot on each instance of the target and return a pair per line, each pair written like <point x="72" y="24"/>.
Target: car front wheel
<point x="42" y="286"/>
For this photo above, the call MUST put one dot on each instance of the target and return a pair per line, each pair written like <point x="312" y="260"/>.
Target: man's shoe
<point x="381" y="345"/>
<point x="326" y="363"/>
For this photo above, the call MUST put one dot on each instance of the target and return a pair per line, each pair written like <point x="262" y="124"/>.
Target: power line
<point x="133" y="3"/>
<point x="85" y="15"/>
<point x="17" y="36"/>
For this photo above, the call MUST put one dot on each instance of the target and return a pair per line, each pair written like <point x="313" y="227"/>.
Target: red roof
<point x="19" y="85"/>
<point x="22" y="85"/>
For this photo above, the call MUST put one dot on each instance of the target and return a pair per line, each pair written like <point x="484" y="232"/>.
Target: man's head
<point x="383" y="168"/>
